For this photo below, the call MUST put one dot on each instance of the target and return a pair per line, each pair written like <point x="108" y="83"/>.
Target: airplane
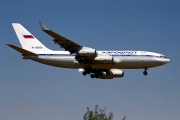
<point x="99" y="64"/>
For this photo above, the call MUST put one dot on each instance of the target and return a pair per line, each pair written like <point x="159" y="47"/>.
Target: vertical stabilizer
<point x="27" y="40"/>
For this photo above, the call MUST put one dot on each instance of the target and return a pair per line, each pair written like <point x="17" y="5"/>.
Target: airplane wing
<point x="65" y="43"/>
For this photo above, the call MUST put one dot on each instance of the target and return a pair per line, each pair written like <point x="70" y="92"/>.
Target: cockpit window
<point x="162" y="56"/>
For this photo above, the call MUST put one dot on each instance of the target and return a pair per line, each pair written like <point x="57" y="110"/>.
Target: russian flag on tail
<point x="28" y="36"/>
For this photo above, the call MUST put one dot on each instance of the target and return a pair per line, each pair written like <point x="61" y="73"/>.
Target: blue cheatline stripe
<point x="57" y="54"/>
<point x="64" y="55"/>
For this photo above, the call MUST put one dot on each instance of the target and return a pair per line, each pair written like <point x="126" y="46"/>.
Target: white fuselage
<point x="127" y="59"/>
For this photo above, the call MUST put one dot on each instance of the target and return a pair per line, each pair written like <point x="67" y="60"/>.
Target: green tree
<point x="97" y="114"/>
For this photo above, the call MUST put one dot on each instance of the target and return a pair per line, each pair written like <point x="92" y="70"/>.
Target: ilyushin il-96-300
<point x="99" y="64"/>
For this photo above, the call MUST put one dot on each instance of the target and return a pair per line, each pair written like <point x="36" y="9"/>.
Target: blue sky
<point x="32" y="91"/>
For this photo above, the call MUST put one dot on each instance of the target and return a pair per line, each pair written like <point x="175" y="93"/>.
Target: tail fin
<point x="27" y="40"/>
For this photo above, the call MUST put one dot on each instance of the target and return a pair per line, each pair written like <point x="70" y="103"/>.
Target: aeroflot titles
<point x="119" y="52"/>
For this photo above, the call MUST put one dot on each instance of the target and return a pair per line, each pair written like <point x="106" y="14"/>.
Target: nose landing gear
<point x="145" y="71"/>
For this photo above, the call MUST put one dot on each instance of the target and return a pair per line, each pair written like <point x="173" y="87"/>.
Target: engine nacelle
<point x="106" y="59"/>
<point x="112" y="73"/>
<point x="85" y="51"/>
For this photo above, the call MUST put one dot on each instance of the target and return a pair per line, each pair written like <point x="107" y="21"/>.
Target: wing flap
<point x="22" y="51"/>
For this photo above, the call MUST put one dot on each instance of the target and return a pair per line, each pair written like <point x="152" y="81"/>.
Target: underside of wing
<point x="65" y="43"/>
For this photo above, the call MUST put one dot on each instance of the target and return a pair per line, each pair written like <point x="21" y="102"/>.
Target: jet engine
<point x="85" y="51"/>
<point x="103" y="74"/>
<point x="112" y="73"/>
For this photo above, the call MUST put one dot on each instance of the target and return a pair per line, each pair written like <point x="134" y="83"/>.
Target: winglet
<point x="22" y="51"/>
<point x="42" y="26"/>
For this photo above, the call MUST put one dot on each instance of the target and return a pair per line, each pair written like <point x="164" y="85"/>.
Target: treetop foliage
<point x="97" y="114"/>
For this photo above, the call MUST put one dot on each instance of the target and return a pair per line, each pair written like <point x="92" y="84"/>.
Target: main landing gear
<point x="84" y="73"/>
<point x="145" y="71"/>
<point x="94" y="76"/>
<point x="87" y="70"/>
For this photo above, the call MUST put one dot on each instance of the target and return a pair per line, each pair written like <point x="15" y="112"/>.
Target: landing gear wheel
<point x="84" y="73"/>
<point x="88" y="70"/>
<point x="145" y="72"/>
<point x="95" y="75"/>
<point x="92" y="76"/>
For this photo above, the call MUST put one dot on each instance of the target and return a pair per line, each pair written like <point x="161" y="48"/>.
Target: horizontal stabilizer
<point x="22" y="51"/>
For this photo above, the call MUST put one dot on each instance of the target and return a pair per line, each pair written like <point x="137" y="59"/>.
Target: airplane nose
<point x="162" y="61"/>
<point x="165" y="61"/>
